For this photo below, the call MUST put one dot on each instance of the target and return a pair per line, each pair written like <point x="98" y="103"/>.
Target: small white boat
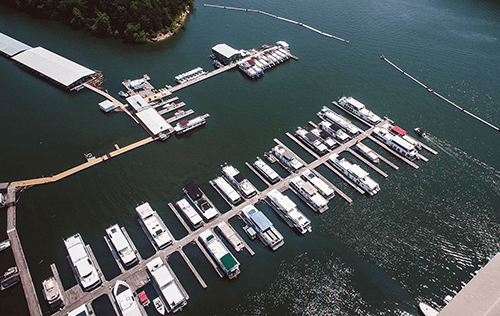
<point x="160" y="307"/>
<point x="4" y="244"/>
<point x="427" y="310"/>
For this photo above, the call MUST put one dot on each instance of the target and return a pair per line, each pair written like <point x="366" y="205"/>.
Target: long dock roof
<point x="52" y="65"/>
<point x="10" y="46"/>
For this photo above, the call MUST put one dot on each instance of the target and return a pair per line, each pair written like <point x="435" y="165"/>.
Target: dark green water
<point x="418" y="239"/>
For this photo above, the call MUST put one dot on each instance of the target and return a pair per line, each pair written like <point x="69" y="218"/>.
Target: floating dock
<point x="88" y="164"/>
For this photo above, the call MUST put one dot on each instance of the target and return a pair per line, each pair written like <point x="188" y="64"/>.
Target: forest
<point x="131" y="20"/>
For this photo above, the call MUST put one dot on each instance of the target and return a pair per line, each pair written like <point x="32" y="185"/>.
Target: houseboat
<point x="288" y="211"/>
<point x="264" y="228"/>
<point x="326" y="190"/>
<point x="311" y="140"/>
<point x="226" y="261"/>
<point x="239" y="181"/>
<point x="268" y="172"/>
<point x="227" y="190"/>
<point x="167" y="284"/>
<point x="200" y="201"/>
<point x="189" y="212"/>
<point x="154" y="226"/>
<point x="287" y="159"/>
<point x="82" y="264"/>
<point x="359" y="109"/>
<point x="354" y="172"/>
<point x="308" y="193"/>
<point x="121" y="245"/>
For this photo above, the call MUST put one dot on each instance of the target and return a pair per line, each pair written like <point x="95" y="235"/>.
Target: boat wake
<point x="474" y="166"/>
<point x="309" y="287"/>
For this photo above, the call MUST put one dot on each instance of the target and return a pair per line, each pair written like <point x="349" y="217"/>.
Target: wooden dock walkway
<point x="86" y="165"/>
<point x="180" y="116"/>
<point x="193" y="269"/>
<point x="172" y="108"/>
<point x="18" y="253"/>
<point x="117" y="103"/>
<point x="208" y="75"/>
<point x="165" y="103"/>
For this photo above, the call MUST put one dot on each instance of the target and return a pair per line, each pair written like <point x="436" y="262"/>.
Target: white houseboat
<point x="341" y="121"/>
<point x="227" y="190"/>
<point x="325" y="137"/>
<point x="187" y="125"/>
<point x="323" y="188"/>
<point x="287" y="158"/>
<point x="395" y="142"/>
<point x="239" y="181"/>
<point x="335" y="131"/>
<point x="266" y="232"/>
<point x="354" y="172"/>
<point x="154" y="226"/>
<point x="168" y="285"/>
<point x="200" y="201"/>
<point x="268" y="172"/>
<point x="220" y="253"/>
<point x="84" y="267"/>
<point x="308" y="193"/>
<point x="311" y="140"/>
<point x="189" y="212"/>
<point x="121" y="245"/>
<point x="288" y="211"/>
<point x="367" y="152"/>
<point x="357" y="108"/>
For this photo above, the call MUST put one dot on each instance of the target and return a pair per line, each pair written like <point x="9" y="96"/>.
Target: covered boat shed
<point x="57" y="69"/>
<point x="10" y="47"/>
<point x="225" y="53"/>
<point x="154" y="122"/>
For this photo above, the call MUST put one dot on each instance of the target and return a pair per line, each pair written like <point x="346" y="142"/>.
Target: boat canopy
<point x="398" y="130"/>
<point x="193" y="191"/>
<point x="261" y="221"/>
<point x="239" y="177"/>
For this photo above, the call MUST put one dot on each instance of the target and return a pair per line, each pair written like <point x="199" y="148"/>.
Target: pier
<point x="201" y="78"/>
<point x="86" y="165"/>
<point x="110" y="98"/>
<point x="438" y="95"/>
<point x="18" y="253"/>
<point x="279" y="18"/>
<point x="481" y="296"/>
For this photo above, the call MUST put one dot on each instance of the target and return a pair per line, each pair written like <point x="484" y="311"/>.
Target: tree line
<point x="133" y="21"/>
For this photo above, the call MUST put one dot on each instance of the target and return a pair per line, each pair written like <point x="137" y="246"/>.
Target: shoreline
<point x="178" y="25"/>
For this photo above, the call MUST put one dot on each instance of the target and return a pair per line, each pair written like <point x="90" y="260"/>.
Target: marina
<point x="282" y="205"/>
<point x="374" y="240"/>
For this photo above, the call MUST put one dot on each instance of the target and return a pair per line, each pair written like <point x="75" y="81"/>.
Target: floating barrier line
<point x="440" y="96"/>
<point x="277" y="17"/>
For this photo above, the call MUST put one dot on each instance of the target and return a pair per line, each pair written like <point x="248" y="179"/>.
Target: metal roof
<point x="225" y="50"/>
<point x="153" y="121"/>
<point x="261" y="221"/>
<point x="10" y="46"/>
<point x="53" y="66"/>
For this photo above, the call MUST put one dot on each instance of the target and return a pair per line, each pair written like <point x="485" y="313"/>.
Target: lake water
<point x="418" y="239"/>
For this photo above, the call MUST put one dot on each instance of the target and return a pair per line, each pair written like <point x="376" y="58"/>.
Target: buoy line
<point x="440" y="96"/>
<point x="279" y="18"/>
